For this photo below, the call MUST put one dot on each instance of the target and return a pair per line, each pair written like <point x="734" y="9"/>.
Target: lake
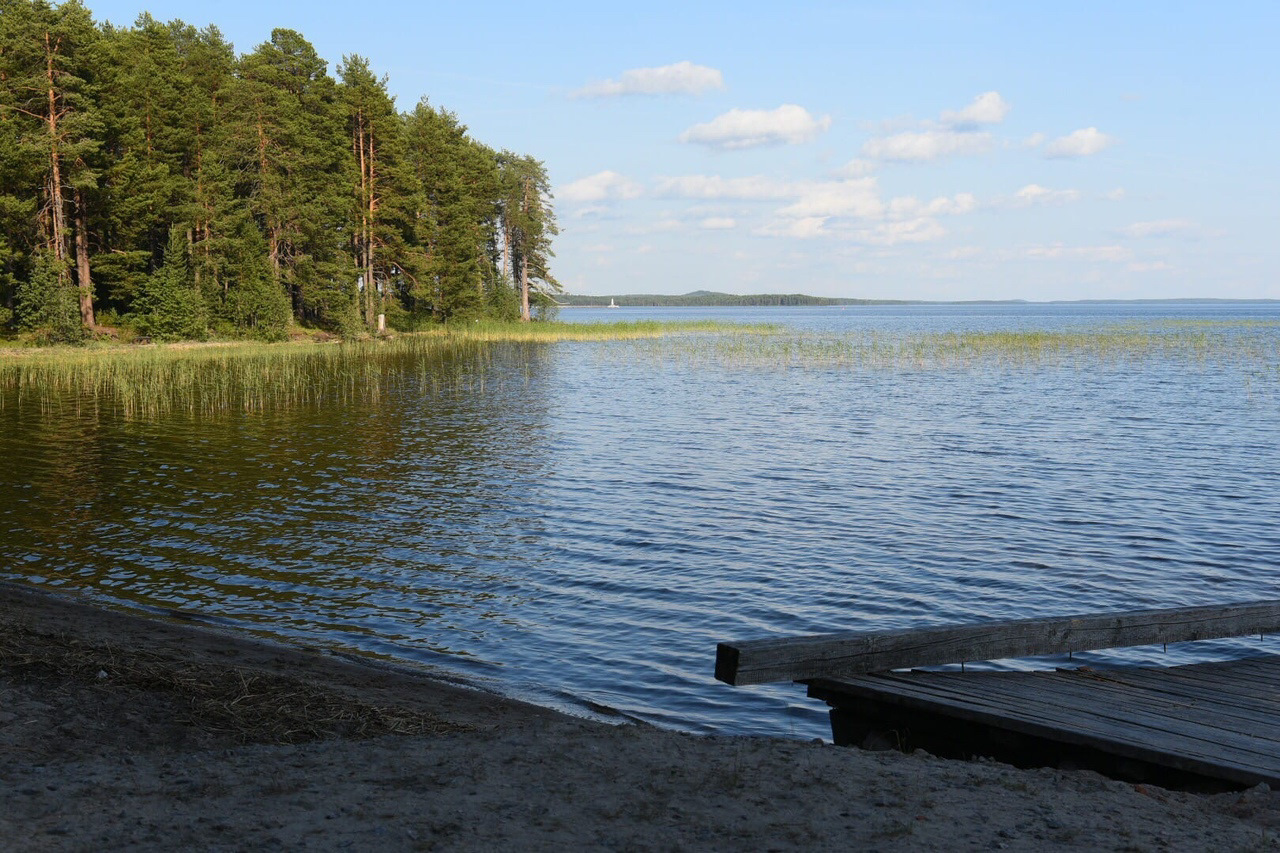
<point x="579" y="524"/>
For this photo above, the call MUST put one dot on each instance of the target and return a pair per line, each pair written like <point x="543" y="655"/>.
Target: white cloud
<point x="921" y="230"/>
<point x="1149" y="266"/>
<point x="806" y="228"/>
<point x="856" y="168"/>
<point x="1159" y="228"/>
<point x="788" y="124"/>
<point x="753" y="188"/>
<point x="909" y="207"/>
<point x="1036" y="194"/>
<point x="600" y="186"/>
<point x="1057" y="251"/>
<point x="858" y="197"/>
<point x="923" y="146"/>
<point x="717" y="223"/>
<point x="1035" y="140"/>
<point x="1081" y="143"/>
<point x="657" y="226"/>
<point x="682" y="78"/>
<point x="987" y="108"/>
<point x="1116" y="194"/>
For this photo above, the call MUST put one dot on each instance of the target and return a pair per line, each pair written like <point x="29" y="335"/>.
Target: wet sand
<point x="119" y="732"/>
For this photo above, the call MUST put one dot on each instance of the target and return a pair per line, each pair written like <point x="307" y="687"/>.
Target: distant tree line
<point x="708" y="298"/>
<point x="152" y="179"/>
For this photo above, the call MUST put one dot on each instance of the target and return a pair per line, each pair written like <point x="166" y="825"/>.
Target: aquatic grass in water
<point x="1255" y="346"/>
<point x="149" y="381"/>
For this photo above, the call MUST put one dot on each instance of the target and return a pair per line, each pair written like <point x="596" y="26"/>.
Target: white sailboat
<point x="613" y="304"/>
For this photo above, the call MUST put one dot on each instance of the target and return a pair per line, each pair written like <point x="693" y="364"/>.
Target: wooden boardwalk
<point x="1216" y="722"/>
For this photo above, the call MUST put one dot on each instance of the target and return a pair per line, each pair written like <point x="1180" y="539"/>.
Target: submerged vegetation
<point x="1253" y="344"/>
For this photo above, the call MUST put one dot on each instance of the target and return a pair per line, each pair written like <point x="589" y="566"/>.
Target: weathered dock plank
<point x="1199" y="726"/>
<point x="1215" y="721"/>
<point x="855" y="652"/>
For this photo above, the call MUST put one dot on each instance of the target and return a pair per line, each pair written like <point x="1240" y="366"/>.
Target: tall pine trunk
<point x="525" y="316"/>
<point x="369" y="232"/>
<point x="57" y="208"/>
<point x="85" y="283"/>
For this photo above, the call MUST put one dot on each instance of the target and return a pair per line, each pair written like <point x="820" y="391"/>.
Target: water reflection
<point x="583" y="522"/>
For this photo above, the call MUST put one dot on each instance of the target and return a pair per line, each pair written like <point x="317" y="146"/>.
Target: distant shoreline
<point x="709" y="299"/>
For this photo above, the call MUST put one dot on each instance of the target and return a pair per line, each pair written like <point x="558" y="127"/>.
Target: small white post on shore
<point x="382" y="323"/>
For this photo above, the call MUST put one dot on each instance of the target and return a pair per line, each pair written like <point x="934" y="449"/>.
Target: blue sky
<point x="938" y="150"/>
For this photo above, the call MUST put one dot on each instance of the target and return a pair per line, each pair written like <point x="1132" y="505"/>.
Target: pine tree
<point x="47" y="102"/>
<point x="170" y="306"/>
<point x="384" y="192"/>
<point x="46" y="305"/>
<point x="528" y="224"/>
<point x="287" y="148"/>
<point x="460" y="184"/>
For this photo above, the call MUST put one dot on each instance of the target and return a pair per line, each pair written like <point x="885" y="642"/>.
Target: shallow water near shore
<point x="579" y="523"/>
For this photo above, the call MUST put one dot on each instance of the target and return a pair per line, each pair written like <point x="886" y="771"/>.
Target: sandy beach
<point x="119" y="732"/>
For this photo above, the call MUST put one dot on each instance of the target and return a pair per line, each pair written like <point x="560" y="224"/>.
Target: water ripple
<point x="584" y="536"/>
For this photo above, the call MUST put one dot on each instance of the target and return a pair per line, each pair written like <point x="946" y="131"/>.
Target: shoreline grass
<point x="204" y="378"/>
<point x="153" y="379"/>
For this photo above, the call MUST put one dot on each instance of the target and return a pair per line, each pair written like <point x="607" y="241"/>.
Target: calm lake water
<point x="580" y="523"/>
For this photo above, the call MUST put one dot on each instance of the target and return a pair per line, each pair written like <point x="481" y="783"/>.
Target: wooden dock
<point x="1213" y="723"/>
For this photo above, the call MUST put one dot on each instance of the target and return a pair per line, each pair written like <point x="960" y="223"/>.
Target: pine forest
<point x="156" y="185"/>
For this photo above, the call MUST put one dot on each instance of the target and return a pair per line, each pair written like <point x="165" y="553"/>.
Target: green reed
<point x="145" y="381"/>
<point x="1255" y="346"/>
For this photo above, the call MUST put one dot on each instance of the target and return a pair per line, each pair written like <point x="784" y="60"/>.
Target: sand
<point x="119" y="732"/>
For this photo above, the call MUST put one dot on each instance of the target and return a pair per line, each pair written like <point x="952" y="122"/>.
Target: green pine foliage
<point x="171" y="306"/>
<point x="45" y="303"/>
<point x="180" y="189"/>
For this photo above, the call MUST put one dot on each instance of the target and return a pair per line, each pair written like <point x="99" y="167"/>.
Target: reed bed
<point x="1256" y="347"/>
<point x="148" y="381"/>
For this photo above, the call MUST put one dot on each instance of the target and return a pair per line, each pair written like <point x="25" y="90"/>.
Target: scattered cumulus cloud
<point x="805" y="229"/>
<point x="859" y="197"/>
<point x="717" y="223"/>
<point x="1057" y="251"/>
<point x="987" y="108"/>
<point x="955" y="133"/>
<point x="788" y="124"/>
<point x="752" y="188"/>
<point x="1116" y="194"/>
<point x="908" y="207"/>
<point x="1081" y="143"/>
<point x="856" y="168"/>
<point x="925" y="146"/>
<point x="1160" y="228"/>
<point x="682" y="78"/>
<point x="1150" y="266"/>
<point x="1033" y="194"/>
<point x="920" y="230"/>
<point x="599" y="187"/>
